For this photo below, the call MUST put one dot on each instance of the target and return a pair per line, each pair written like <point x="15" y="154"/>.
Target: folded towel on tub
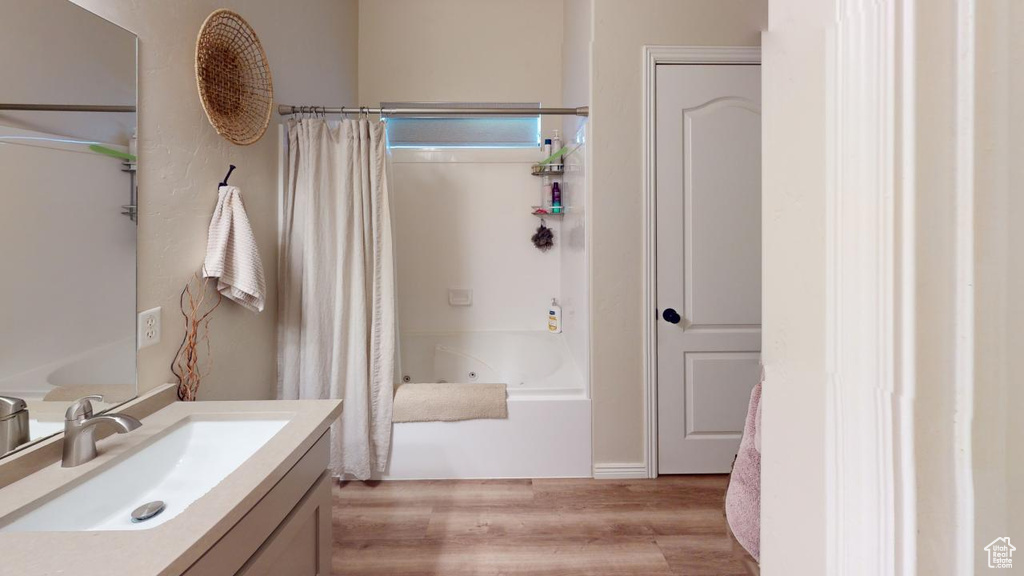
<point x="231" y="253"/>
<point x="449" y="402"/>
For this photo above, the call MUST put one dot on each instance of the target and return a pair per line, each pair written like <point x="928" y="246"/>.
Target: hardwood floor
<point x="672" y="525"/>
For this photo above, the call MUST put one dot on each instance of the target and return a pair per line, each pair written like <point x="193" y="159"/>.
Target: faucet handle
<point x="82" y="408"/>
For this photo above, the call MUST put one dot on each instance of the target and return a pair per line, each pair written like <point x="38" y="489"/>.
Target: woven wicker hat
<point x="234" y="78"/>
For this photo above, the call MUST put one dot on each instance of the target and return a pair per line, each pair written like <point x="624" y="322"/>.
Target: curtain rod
<point x="66" y="108"/>
<point x="285" y="110"/>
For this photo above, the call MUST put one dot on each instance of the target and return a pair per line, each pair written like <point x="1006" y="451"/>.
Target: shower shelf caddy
<point x="547" y="169"/>
<point x="556" y="216"/>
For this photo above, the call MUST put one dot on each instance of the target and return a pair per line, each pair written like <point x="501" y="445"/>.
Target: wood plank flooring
<point x="673" y="526"/>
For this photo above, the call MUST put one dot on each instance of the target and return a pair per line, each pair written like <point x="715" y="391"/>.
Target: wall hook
<point x="231" y="168"/>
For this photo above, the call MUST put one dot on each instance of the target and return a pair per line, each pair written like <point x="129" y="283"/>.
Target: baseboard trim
<point x="620" y="471"/>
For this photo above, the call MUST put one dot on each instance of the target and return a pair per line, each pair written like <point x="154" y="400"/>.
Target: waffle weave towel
<point x="231" y="253"/>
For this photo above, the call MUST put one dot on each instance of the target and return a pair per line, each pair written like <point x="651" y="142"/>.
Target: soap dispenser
<point x="554" y="318"/>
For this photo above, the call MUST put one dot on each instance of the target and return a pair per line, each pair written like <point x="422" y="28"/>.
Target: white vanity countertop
<point x="173" y="546"/>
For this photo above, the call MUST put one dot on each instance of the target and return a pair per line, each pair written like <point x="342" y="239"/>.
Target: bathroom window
<point x="469" y="131"/>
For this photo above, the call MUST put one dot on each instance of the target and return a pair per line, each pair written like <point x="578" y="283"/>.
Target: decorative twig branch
<point x="186" y="365"/>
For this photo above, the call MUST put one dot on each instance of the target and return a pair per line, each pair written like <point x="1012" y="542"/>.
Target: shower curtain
<point x="336" y="302"/>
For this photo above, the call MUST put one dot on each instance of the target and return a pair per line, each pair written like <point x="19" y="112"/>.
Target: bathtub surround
<point x="574" y="269"/>
<point x="336" y="313"/>
<point x="181" y="154"/>
<point x="577" y="33"/>
<point x="462" y="221"/>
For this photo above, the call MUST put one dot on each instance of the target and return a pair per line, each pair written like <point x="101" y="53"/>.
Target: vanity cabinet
<point x="286" y="532"/>
<point x="301" y="545"/>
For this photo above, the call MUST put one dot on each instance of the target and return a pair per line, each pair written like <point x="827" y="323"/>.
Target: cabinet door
<point x="301" y="545"/>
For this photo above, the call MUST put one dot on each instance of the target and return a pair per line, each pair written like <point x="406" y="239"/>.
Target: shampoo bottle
<point x="546" y="193"/>
<point x="556" y="145"/>
<point x="554" y="318"/>
<point x="556" y="199"/>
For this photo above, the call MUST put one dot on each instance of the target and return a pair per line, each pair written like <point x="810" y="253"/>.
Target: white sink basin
<point x="178" y="468"/>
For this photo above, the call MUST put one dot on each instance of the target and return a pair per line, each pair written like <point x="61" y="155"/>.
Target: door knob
<point x="671" y="315"/>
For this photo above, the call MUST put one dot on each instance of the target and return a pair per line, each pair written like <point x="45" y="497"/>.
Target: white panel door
<point x="708" y="122"/>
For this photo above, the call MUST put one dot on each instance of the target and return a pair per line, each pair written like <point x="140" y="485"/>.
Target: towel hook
<point x="231" y="168"/>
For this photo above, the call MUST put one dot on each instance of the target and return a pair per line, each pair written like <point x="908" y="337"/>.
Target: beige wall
<point x="311" y="45"/>
<point x="577" y="34"/>
<point x="621" y="29"/>
<point x="937" y="402"/>
<point x="998" y="398"/>
<point x="461" y="51"/>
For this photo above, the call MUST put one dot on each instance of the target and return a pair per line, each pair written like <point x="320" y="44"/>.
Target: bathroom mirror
<point x="67" y="215"/>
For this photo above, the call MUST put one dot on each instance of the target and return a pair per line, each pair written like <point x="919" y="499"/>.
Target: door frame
<point x="654" y="55"/>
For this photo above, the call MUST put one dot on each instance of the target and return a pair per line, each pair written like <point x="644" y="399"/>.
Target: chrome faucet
<point x="80" y="430"/>
<point x="13" y="423"/>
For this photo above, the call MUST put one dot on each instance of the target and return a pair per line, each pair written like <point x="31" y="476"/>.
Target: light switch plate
<point x="149" y="328"/>
<point x="460" y="297"/>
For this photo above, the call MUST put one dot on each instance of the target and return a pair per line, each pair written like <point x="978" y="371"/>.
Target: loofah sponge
<point x="543" y="238"/>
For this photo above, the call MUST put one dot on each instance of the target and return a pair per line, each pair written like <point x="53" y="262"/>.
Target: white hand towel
<point x="231" y="253"/>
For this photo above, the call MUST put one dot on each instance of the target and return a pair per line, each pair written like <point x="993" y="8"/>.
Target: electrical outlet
<point x="149" y="328"/>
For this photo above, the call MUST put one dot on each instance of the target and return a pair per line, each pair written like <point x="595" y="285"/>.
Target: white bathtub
<point x="547" y="433"/>
<point x="530" y="363"/>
